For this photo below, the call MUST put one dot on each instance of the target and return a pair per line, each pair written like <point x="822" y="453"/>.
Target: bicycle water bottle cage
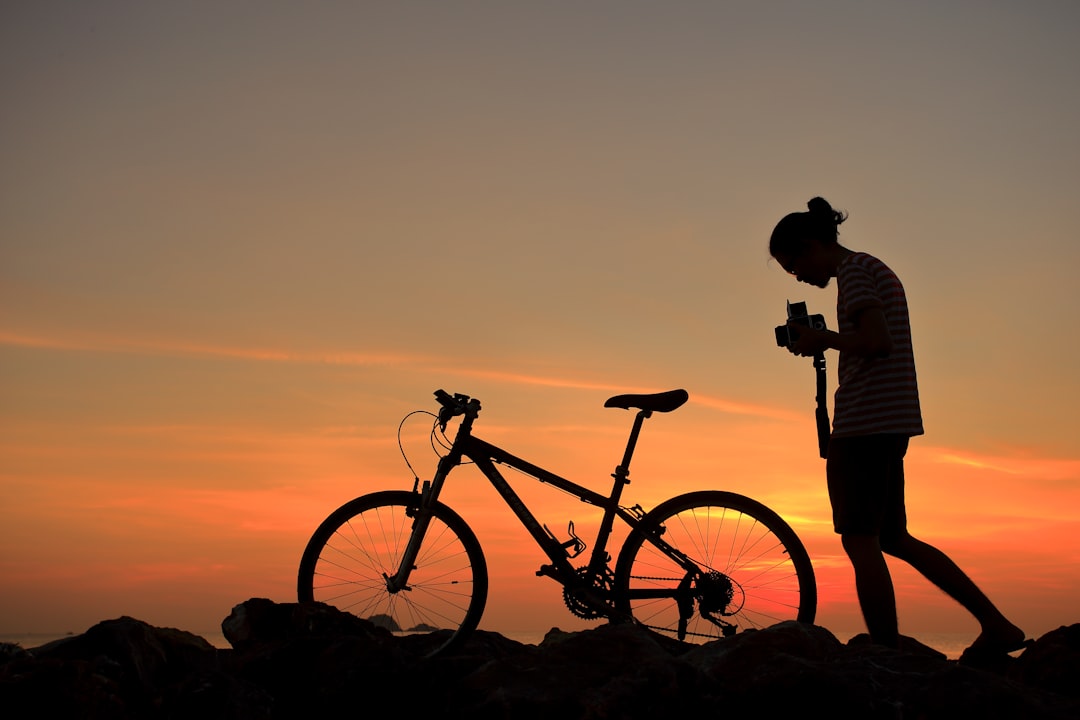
<point x="572" y="547"/>
<point x="654" y="402"/>
<point x="575" y="545"/>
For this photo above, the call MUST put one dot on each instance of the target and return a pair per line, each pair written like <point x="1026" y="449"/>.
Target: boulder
<point x="118" y="668"/>
<point x="1052" y="663"/>
<point x="291" y="660"/>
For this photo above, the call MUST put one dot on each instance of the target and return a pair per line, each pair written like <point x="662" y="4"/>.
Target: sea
<point x="951" y="644"/>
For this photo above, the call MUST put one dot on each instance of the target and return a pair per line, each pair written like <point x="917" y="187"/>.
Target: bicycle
<point x="697" y="567"/>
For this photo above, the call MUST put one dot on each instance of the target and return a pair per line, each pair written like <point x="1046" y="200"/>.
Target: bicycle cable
<point x="542" y="482"/>
<point x="401" y="445"/>
<point x="666" y="631"/>
<point x="439" y="437"/>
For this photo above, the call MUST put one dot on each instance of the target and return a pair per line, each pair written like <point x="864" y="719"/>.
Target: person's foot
<point x="991" y="649"/>
<point x="1003" y="639"/>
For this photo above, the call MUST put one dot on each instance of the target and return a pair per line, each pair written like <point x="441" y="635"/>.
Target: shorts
<point x="866" y="484"/>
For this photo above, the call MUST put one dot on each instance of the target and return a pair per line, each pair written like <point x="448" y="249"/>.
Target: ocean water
<point x="33" y="640"/>
<point x="951" y="644"/>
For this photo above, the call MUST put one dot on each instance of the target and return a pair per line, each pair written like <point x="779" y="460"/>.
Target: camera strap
<point x="822" y="412"/>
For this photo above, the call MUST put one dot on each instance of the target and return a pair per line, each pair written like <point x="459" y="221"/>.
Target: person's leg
<point x="856" y="472"/>
<point x="938" y="568"/>
<point x="873" y="584"/>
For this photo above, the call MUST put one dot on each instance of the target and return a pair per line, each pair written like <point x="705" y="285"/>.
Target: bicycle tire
<point x="349" y="556"/>
<point x="769" y="574"/>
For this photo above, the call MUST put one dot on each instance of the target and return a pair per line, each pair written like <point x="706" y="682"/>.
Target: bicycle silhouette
<point x="698" y="566"/>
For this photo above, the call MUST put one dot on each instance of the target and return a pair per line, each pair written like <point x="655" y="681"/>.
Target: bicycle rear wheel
<point x="748" y="569"/>
<point x="360" y="544"/>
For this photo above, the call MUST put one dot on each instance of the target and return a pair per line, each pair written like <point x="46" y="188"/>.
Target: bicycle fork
<point x="421" y="515"/>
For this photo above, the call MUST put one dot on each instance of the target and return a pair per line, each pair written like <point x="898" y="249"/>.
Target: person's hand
<point x="808" y="341"/>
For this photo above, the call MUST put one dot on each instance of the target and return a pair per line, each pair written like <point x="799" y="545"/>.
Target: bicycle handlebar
<point x="456" y="405"/>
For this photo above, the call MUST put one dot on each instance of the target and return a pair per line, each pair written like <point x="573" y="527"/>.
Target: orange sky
<point x="238" y="244"/>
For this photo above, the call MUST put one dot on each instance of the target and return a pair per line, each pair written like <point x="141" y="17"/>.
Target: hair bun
<point x="820" y="207"/>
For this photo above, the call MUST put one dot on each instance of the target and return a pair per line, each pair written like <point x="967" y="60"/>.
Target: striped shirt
<point x="875" y="395"/>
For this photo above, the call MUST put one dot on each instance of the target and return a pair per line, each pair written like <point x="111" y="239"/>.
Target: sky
<point x="240" y="241"/>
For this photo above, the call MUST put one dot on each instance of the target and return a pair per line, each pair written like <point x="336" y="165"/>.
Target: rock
<point x="619" y="671"/>
<point x="311" y="657"/>
<point x="908" y="644"/>
<point x="1052" y="662"/>
<point x="117" y="668"/>
<point x="259" y="621"/>
<point x="292" y="660"/>
<point x="777" y="671"/>
<point x="11" y="651"/>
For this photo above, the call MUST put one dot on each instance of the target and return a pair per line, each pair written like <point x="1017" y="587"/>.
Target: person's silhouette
<point x="876" y="412"/>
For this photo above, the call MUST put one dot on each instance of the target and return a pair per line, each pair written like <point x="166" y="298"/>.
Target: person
<point x="876" y="411"/>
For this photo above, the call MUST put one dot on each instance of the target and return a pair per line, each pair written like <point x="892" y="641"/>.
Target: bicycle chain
<point x="666" y="631"/>
<point x="658" y="628"/>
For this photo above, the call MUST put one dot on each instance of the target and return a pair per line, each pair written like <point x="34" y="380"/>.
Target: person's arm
<point x="871" y="338"/>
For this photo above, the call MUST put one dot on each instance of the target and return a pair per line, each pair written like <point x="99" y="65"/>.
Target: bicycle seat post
<point x="622" y="472"/>
<point x="646" y="405"/>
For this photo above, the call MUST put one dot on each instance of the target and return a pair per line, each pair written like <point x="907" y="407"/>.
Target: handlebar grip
<point x="458" y="403"/>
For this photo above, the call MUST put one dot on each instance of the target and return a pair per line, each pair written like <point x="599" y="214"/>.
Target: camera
<point x="796" y="312"/>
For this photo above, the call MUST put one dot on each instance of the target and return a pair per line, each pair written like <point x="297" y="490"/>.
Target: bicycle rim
<point x="745" y="555"/>
<point x="351" y="554"/>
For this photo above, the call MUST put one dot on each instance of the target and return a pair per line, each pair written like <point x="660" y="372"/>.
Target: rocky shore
<point x="296" y="661"/>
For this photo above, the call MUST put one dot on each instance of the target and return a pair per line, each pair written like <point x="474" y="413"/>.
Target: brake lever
<point x="451" y="406"/>
<point x="444" y="417"/>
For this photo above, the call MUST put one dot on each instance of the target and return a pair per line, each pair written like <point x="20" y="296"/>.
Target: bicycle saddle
<point x="655" y="402"/>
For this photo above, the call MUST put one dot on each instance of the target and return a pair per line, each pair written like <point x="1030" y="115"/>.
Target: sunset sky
<point x="239" y="241"/>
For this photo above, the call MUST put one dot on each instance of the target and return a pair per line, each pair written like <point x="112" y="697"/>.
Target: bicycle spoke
<point x="350" y="557"/>
<point x="746" y="576"/>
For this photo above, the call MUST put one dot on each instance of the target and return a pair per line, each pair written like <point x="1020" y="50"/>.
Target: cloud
<point x="739" y="408"/>
<point x="542" y="380"/>
<point x="730" y="407"/>
<point x="1043" y="468"/>
<point x="100" y="344"/>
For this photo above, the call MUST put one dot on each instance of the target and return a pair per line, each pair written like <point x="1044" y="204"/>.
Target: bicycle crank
<point x="590" y="598"/>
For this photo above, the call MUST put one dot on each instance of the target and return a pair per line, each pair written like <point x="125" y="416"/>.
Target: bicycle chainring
<point x="592" y="599"/>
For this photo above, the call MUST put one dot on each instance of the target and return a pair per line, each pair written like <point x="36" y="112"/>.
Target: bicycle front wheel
<point x="352" y="553"/>
<point x="737" y="565"/>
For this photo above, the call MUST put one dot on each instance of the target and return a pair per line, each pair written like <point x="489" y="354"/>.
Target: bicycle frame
<point x="485" y="456"/>
<point x="698" y="565"/>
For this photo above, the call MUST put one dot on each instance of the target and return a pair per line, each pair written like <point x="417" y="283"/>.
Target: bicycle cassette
<point x="715" y="593"/>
